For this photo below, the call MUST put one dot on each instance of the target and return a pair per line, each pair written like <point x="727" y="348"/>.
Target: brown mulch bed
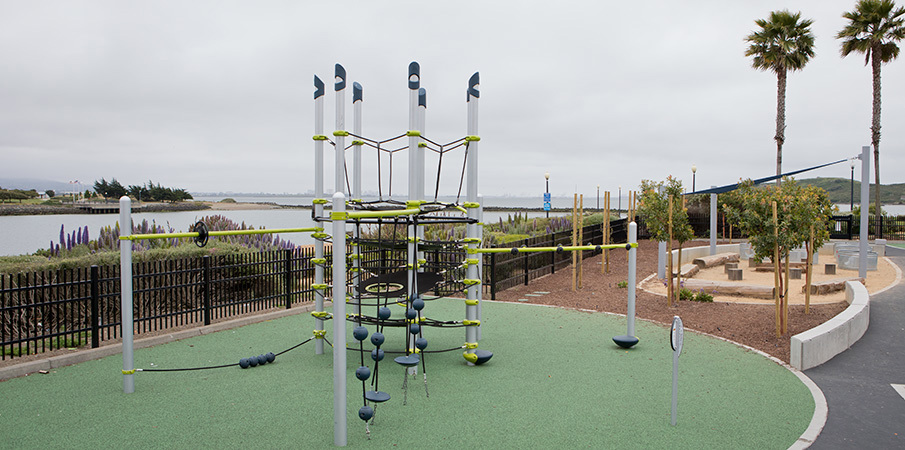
<point x="752" y="325"/>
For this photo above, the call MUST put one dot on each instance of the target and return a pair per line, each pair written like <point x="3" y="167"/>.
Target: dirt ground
<point x="747" y="323"/>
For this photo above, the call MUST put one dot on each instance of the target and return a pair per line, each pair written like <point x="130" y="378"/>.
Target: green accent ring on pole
<point x="472" y="138"/>
<point x="422" y="144"/>
<point x="340" y="133"/>
<point x="319" y="137"/>
<point x="376" y="214"/>
<point x="319" y="201"/>
<point x="339" y="215"/>
<point x="413" y="133"/>
<point x="470" y="282"/>
<point x="357" y="142"/>
<point x="414" y="203"/>
<point x="471" y="205"/>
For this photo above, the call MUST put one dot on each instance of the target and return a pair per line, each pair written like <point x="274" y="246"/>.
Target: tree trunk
<point x="780" y="136"/>
<point x="875" y="132"/>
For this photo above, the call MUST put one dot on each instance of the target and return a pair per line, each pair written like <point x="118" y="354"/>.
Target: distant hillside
<point x="41" y="185"/>
<point x="839" y="190"/>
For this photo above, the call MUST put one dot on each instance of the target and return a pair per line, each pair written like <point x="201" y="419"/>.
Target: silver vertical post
<point x="632" y="264"/>
<point x="357" y="99"/>
<point x="414" y="82"/>
<point x="471" y="196"/>
<point x="339" y="174"/>
<point x="319" y="207"/>
<point x="127" y="318"/>
<point x="419" y="165"/>
<point x="339" y="265"/>
<point x="339" y="319"/>
<point x="865" y="205"/>
<point x="713" y="215"/>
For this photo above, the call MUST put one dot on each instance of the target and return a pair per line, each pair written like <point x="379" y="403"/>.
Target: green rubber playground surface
<point x="556" y="380"/>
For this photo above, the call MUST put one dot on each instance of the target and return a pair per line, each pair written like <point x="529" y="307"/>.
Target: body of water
<point x="20" y="235"/>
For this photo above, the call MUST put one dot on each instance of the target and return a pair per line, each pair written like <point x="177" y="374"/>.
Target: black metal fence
<point x="505" y="270"/>
<point x="44" y="311"/>
<point x="49" y="310"/>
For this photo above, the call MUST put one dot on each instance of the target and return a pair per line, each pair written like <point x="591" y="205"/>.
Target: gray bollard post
<point x="676" y="336"/>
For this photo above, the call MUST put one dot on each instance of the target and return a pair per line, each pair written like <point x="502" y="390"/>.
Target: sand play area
<point x="886" y="274"/>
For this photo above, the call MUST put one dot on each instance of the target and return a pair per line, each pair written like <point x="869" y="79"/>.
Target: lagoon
<point x="20" y="235"/>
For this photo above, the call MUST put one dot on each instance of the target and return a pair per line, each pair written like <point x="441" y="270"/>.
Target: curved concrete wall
<point x="821" y="343"/>
<point x="691" y="253"/>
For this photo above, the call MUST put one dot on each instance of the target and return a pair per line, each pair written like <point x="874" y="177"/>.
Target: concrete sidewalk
<point x="865" y="410"/>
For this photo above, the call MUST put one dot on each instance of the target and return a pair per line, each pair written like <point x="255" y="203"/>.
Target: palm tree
<point x="784" y="43"/>
<point x="874" y="28"/>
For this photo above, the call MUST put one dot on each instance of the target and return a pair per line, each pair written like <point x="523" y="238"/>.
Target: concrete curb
<point x="55" y="362"/>
<point x="821" y="343"/>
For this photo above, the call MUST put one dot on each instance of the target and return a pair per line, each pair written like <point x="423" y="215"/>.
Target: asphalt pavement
<point x="865" y="385"/>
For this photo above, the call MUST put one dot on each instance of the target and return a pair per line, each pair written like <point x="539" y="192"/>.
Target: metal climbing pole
<point x="319" y="201"/>
<point x="472" y="206"/>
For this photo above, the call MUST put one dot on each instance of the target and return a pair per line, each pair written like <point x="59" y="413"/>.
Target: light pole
<point x="619" y="210"/>
<point x="547" y="177"/>
<point x="598" y="197"/>
<point x="694" y="171"/>
<point x="852" y="195"/>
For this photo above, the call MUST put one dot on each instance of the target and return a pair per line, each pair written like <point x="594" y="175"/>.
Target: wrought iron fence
<point x="44" y="311"/>
<point x="49" y="310"/>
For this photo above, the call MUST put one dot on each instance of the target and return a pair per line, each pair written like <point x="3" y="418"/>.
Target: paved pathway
<point x="865" y="385"/>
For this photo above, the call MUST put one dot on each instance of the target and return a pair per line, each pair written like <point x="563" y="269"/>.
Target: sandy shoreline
<point x="227" y="206"/>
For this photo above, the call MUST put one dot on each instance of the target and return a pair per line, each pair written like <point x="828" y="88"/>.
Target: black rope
<point x="462" y="177"/>
<point x="223" y="365"/>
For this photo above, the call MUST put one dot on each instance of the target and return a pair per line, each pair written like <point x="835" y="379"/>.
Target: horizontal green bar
<point x="551" y="249"/>
<point x="389" y="213"/>
<point x="138" y="237"/>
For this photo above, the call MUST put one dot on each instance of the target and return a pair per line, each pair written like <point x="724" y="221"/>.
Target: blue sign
<point x="547" y="197"/>
<point x="546" y="206"/>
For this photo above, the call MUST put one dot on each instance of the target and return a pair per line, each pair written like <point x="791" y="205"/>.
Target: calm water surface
<point x="26" y="234"/>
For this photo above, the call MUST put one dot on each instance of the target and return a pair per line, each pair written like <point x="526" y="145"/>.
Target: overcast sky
<point x="217" y="95"/>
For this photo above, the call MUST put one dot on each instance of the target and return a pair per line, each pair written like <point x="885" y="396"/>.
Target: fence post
<point x="206" y="298"/>
<point x="493" y="276"/>
<point x="526" y="268"/>
<point x="95" y="320"/>
<point x="553" y="254"/>
<point x="288" y="277"/>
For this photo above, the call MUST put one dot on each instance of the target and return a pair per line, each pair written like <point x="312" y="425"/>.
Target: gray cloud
<point x="216" y="96"/>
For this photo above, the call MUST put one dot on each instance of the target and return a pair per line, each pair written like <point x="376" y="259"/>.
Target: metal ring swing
<point x="201" y="229"/>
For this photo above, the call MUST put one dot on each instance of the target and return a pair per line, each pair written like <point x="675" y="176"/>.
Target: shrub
<point x="703" y="297"/>
<point x="686" y="294"/>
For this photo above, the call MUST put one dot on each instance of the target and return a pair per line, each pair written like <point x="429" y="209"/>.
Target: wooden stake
<point x="574" y="238"/>
<point x="776" y="292"/>
<point x="785" y="300"/>
<point x="580" y="239"/>
<point x="807" y="276"/>
<point x="605" y="267"/>
<point x="670" y="289"/>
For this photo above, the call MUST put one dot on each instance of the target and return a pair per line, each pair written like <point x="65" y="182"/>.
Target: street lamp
<point x="619" y="210"/>
<point x="547" y="177"/>
<point x="852" y="194"/>
<point x="694" y="170"/>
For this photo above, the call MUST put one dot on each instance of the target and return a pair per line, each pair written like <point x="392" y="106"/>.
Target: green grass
<point x="556" y="381"/>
